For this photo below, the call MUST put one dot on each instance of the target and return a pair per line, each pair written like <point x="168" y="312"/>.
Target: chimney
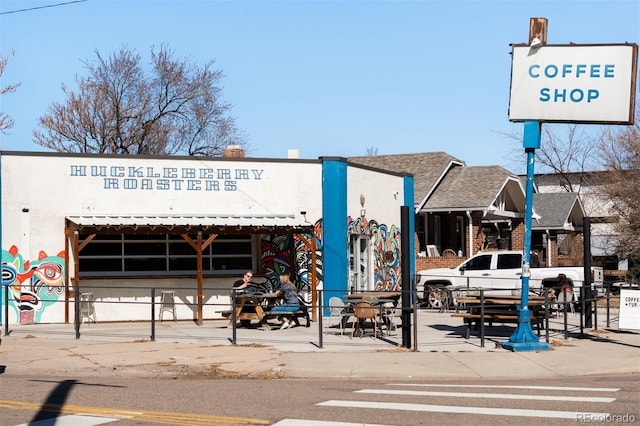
<point x="293" y="153"/>
<point x="233" y="151"/>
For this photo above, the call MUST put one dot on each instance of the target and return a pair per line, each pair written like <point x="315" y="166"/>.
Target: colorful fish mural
<point x="33" y="285"/>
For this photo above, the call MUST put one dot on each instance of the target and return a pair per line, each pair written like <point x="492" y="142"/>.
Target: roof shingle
<point x="426" y="167"/>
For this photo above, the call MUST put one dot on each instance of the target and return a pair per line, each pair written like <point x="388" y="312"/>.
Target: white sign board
<point x="574" y="83"/>
<point x="629" y="310"/>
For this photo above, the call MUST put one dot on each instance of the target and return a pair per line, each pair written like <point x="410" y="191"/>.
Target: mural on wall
<point x="385" y="244"/>
<point x="304" y="257"/>
<point x="386" y="256"/>
<point x="34" y="285"/>
<point x="274" y="260"/>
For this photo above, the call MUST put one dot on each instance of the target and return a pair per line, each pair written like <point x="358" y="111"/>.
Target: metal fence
<point x="323" y="312"/>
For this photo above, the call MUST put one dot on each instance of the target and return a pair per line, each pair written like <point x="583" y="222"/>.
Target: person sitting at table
<point x="551" y="292"/>
<point x="244" y="282"/>
<point x="289" y="293"/>
<point x="564" y="283"/>
<point x="239" y="286"/>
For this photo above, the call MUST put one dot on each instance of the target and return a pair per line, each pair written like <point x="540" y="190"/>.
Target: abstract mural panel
<point x="34" y="285"/>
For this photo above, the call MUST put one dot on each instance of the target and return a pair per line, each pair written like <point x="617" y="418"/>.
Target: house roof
<point x="557" y="211"/>
<point x="443" y="183"/>
<point x="587" y="178"/>
<point x="492" y="189"/>
<point x="427" y="168"/>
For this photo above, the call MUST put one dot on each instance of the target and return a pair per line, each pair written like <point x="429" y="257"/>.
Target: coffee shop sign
<point x="573" y="83"/>
<point x="166" y="178"/>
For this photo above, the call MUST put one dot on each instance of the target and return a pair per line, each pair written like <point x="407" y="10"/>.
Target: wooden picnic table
<point x="258" y="307"/>
<point x="501" y="300"/>
<point x="251" y="307"/>
<point x="500" y="309"/>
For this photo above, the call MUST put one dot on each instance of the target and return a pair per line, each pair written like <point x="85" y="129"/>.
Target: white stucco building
<point x="121" y="225"/>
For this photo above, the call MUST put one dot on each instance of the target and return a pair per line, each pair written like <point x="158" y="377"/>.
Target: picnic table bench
<point x="504" y="317"/>
<point x="499" y="309"/>
<point x="251" y="307"/>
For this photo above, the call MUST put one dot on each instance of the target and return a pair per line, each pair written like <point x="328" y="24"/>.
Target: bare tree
<point x="372" y="150"/>
<point x="175" y="107"/>
<point x="566" y="151"/>
<point x="6" y="122"/>
<point x="620" y="151"/>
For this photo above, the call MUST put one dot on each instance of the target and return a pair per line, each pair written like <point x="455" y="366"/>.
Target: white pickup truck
<point x="500" y="271"/>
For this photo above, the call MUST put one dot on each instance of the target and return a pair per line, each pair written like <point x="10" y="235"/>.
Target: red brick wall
<point x="437" y="262"/>
<point x="517" y="243"/>
<point x="575" y="256"/>
<point x="478" y="237"/>
<point x="517" y="235"/>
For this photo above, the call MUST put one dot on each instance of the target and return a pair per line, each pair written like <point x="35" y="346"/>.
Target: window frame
<point x="132" y="251"/>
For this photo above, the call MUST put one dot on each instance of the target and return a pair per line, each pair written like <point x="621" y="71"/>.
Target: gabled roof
<point x="427" y="168"/>
<point x="492" y="189"/>
<point x="557" y="211"/>
<point x="523" y="182"/>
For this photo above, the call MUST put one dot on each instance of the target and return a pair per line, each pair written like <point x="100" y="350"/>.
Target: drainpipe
<point x="470" y="234"/>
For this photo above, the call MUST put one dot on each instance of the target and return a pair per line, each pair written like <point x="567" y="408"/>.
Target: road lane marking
<point x="165" y="417"/>
<point x="490" y="395"/>
<point x="303" y="422"/>
<point x="453" y="409"/>
<point x="558" y="388"/>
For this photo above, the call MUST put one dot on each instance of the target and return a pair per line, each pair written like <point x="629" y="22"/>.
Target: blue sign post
<point x="589" y="101"/>
<point x="524" y="339"/>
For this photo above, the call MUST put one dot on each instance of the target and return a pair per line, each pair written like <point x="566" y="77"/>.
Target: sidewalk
<point x="185" y="349"/>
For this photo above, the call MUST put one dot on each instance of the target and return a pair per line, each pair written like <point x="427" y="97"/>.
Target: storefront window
<point x="109" y="255"/>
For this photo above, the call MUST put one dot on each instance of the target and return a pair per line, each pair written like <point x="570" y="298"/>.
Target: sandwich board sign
<point x="593" y="83"/>
<point x="629" y="310"/>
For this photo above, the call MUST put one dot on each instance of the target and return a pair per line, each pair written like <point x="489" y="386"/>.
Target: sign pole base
<point x="524" y="339"/>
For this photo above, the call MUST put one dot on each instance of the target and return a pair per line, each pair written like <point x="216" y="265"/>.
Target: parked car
<point x="499" y="272"/>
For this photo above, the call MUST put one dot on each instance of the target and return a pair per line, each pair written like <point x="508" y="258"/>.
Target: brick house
<point x="461" y="209"/>
<point x="556" y="228"/>
<point x="590" y="187"/>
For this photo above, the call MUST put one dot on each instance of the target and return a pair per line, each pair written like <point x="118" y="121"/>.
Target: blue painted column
<point x="335" y="254"/>
<point x="409" y="201"/>
<point x="3" y="308"/>
<point x="524" y="339"/>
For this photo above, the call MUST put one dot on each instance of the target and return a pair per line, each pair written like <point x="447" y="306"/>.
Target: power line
<point x="41" y="7"/>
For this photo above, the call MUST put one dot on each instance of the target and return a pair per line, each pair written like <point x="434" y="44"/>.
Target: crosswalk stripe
<point x="558" y="388"/>
<point x="490" y="395"/>
<point x="463" y="410"/>
<point x="72" y="420"/>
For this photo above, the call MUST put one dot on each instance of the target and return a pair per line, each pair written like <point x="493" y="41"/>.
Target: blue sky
<point x="330" y="78"/>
